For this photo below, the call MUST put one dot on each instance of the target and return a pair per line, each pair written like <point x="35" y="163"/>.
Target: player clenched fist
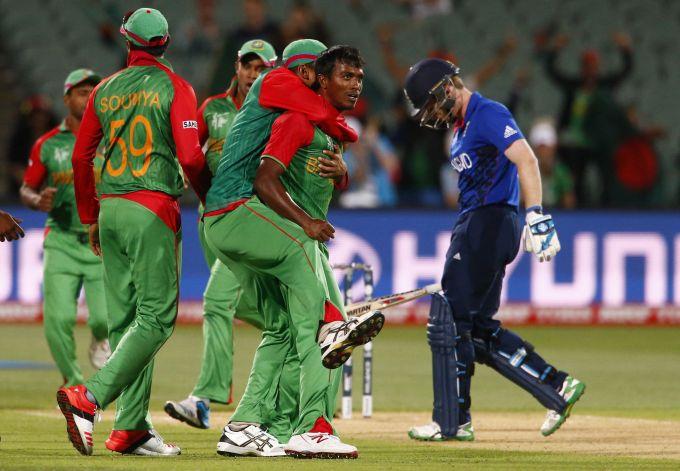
<point x="44" y="200"/>
<point x="320" y="230"/>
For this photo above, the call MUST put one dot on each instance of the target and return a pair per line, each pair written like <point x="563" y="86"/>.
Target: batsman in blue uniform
<point x="494" y="161"/>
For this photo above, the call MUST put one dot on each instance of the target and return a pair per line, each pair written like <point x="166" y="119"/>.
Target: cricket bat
<point x="390" y="300"/>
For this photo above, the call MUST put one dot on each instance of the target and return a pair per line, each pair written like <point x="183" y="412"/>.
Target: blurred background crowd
<point x="593" y="83"/>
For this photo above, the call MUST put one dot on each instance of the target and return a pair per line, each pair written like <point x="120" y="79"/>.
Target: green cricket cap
<point x="79" y="76"/>
<point x="262" y="49"/>
<point x="301" y="52"/>
<point x="145" y="27"/>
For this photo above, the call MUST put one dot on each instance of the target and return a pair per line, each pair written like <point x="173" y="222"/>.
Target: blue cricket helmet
<point x="422" y="81"/>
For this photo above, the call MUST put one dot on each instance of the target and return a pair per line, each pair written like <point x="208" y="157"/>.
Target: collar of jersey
<point x="63" y="127"/>
<point x="472" y="106"/>
<point x="231" y="92"/>
<point x="141" y="59"/>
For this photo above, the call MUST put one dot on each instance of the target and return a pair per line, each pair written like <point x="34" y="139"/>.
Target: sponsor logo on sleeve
<point x="509" y="132"/>
<point x="189" y="124"/>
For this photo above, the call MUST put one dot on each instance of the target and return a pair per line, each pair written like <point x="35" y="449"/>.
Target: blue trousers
<point x="483" y="242"/>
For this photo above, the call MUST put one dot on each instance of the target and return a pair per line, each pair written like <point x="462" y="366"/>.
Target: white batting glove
<point x="540" y="236"/>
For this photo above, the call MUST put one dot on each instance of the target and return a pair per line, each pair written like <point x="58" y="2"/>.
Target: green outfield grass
<point x="631" y="372"/>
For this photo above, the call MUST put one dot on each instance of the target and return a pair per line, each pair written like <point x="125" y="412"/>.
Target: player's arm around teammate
<point x="68" y="265"/>
<point x="272" y="245"/>
<point x="292" y="183"/>
<point x="146" y="116"/>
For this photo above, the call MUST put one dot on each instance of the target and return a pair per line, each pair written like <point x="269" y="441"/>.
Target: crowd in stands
<point x="594" y="152"/>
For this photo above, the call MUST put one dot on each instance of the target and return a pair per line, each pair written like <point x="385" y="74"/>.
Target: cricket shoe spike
<point x="319" y="445"/>
<point x="80" y="415"/>
<point x="248" y="440"/>
<point x="338" y="339"/>
<point x="192" y="410"/>
<point x="572" y="390"/>
<point x="140" y="442"/>
<point x="433" y="433"/>
<point x="100" y="351"/>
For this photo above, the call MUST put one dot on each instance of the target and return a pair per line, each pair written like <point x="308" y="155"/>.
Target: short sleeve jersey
<point x="297" y="145"/>
<point x="486" y="175"/>
<point x="50" y="165"/>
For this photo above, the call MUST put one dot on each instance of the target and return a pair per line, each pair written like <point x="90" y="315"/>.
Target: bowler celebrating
<point x="493" y="160"/>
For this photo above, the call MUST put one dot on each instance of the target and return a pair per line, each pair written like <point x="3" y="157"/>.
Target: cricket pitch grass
<point x="628" y="418"/>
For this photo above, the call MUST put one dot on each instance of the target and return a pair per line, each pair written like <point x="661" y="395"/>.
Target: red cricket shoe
<point x="140" y="442"/>
<point x="79" y="413"/>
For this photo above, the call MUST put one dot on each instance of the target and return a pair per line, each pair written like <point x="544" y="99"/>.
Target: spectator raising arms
<point x="579" y="92"/>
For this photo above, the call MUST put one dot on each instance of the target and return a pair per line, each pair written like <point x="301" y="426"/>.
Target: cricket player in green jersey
<point x="222" y="299"/>
<point x="69" y="264"/>
<point x="146" y="116"/>
<point x="278" y="256"/>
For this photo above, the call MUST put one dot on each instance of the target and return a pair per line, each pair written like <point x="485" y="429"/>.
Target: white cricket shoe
<point x="433" y="433"/>
<point x="248" y="440"/>
<point x="319" y="445"/>
<point x="193" y="410"/>
<point x="572" y="390"/>
<point x="140" y="442"/>
<point x="100" y="351"/>
<point x="338" y="339"/>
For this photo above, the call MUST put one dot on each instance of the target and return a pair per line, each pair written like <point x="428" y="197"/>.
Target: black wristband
<point x="536" y="209"/>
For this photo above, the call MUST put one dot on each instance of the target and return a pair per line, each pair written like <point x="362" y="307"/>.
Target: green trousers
<point x="223" y="300"/>
<point x="287" y="394"/>
<point x="273" y="258"/>
<point x="142" y="263"/>
<point x="70" y="265"/>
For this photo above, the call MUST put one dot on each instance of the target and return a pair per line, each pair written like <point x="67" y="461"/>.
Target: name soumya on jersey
<point x="486" y="175"/>
<point x="145" y="116"/>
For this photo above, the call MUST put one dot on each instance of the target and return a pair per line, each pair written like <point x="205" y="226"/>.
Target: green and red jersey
<point x="296" y="145"/>
<point x="215" y="117"/>
<point x="272" y="93"/>
<point x="145" y="115"/>
<point x="50" y="164"/>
